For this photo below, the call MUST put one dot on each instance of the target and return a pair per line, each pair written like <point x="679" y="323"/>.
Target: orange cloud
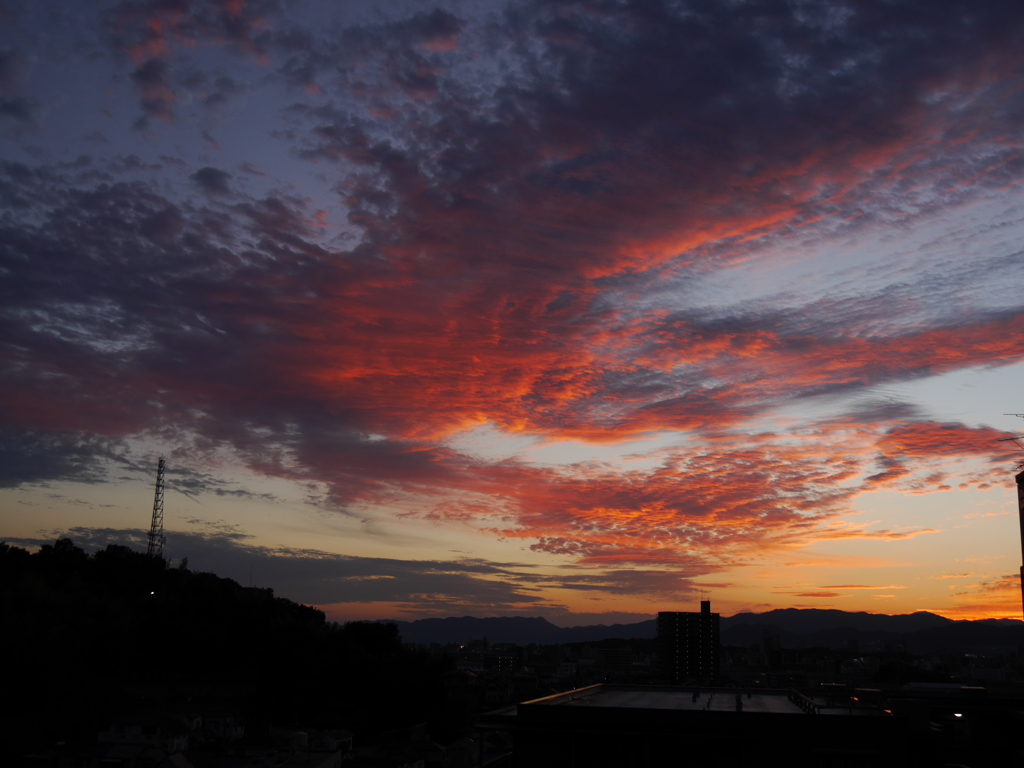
<point x="862" y="586"/>
<point x="508" y="261"/>
<point x="816" y="594"/>
<point x="996" y="597"/>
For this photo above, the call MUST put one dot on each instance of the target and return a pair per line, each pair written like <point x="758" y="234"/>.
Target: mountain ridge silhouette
<point x="792" y="627"/>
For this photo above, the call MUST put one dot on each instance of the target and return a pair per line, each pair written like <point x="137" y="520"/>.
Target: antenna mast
<point x="156" y="528"/>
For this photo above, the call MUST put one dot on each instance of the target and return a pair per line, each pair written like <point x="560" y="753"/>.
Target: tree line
<point x="90" y="637"/>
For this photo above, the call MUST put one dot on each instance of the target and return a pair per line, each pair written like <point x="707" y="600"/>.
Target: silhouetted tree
<point x="95" y="635"/>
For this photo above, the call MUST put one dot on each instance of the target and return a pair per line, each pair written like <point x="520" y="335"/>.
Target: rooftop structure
<point x="653" y="725"/>
<point x="690" y="699"/>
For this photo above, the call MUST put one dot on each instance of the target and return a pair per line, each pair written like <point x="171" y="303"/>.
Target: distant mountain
<point x="521" y="630"/>
<point x="920" y="632"/>
<point x="803" y="621"/>
<point x="982" y="637"/>
<point x="641" y="630"/>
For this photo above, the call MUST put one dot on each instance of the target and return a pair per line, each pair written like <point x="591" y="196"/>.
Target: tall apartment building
<point x="688" y="644"/>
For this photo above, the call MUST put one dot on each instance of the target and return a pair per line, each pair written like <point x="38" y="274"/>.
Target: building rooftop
<point x="708" y="699"/>
<point x="656" y="725"/>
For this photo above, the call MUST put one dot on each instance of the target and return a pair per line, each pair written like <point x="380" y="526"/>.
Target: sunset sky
<point x="579" y="310"/>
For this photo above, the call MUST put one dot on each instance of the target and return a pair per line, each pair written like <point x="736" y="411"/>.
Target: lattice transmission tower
<point x="156" y="527"/>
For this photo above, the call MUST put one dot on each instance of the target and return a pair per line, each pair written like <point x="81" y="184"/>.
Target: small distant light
<point x="957" y="714"/>
<point x="153" y="593"/>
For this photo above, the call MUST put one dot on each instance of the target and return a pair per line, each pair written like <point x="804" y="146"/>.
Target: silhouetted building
<point x="688" y="644"/>
<point x="647" y="726"/>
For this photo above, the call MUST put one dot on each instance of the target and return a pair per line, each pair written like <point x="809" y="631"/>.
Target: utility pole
<point x="1020" y="514"/>
<point x="156" y="527"/>
<point x="1019" y="477"/>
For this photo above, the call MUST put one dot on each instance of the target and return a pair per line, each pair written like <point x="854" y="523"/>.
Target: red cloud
<point x="148" y="31"/>
<point x="928" y="439"/>
<point x="501" y="280"/>
<point x="415" y="349"/>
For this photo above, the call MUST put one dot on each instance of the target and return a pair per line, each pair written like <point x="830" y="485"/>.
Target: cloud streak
<point x="533" y="196"/>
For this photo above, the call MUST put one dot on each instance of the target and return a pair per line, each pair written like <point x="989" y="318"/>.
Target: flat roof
<point x="708" y="699"/>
